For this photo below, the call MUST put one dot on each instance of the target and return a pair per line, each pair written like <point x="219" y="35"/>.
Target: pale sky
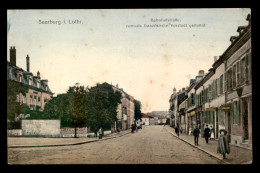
<point x="147" y="62"/>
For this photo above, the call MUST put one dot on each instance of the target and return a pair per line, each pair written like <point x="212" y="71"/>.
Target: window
<point x="24" y="99"/>
<point x="30" y="81"/>
<point x="39" y="101"/>
<point x="20" y="78"/>
<point x="216" y="87"/>
<point x="209" y="94"/>
<point x="192" y="99"/>
<point x="31" y="100"/>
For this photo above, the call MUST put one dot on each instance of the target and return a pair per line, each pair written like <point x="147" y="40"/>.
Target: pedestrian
<point x="100" y="133"/>
<point x="118" y="130"/>
<point x="133" y="128"/>
<point x="223" y="145"/>
<point x="207" y="134"/>
<point x="196" y="133"/>
<point x="212" y="136"/>
<point x="177" y="129"/>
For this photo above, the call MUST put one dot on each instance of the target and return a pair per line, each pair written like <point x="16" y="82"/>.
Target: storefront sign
<point x="225" y="108"/>
<point x="191" y="113"/>
<point x="210" y="109"/>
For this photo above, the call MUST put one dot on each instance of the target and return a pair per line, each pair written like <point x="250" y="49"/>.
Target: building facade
<point x="38" y="89"/>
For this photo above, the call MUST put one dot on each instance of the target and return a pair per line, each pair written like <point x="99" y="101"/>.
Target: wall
<point x="70" y="132"/>
<point x="14" y="132"/>
<point x="46" y="128"/>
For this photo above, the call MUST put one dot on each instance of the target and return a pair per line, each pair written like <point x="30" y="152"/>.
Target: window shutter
<point x="224" y="82"/>
<point x="231" y="79"/>
<point x="238" y="112"/>
<point x="250" y="66"/>
<point x="231" y="114"/>
<point x="238" y="73"/>
<point x="247" y="67"/>
<point x="242" y="72"/>
<point x="234" y="75"/>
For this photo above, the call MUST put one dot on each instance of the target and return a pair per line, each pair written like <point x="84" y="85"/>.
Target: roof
<point x="180" y="96"/>
<point x="146" y="116"/>
<point x="11" y="76"/>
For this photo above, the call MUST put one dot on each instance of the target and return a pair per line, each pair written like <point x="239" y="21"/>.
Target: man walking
<point x="177" y="130"/>
<point x="196" y="133"/>
<point x="207" y="134"/>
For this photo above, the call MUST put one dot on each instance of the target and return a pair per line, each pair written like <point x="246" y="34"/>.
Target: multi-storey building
<point x="39" y="91"/>
<point x="126" y="110"/>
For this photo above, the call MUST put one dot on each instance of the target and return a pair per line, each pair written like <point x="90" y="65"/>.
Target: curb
<point x="79" y="143"/>
<point x="211" y="154"/>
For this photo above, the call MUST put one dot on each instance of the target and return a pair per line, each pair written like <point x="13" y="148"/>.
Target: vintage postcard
<point x="129" y="86"/>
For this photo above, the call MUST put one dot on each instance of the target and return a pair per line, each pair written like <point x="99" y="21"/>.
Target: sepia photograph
<point x="129" y="86"/>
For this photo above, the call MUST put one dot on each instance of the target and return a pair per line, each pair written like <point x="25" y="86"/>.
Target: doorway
<point x="245" y="118"/>
<point x="229" y="126"/>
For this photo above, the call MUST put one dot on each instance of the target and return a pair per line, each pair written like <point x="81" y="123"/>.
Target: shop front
<point x="191" y="120"/>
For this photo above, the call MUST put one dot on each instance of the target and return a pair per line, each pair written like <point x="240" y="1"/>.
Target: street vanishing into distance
<point x="150" y="145"/>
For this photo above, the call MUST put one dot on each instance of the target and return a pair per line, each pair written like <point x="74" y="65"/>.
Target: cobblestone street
<point x="150" y="145"/>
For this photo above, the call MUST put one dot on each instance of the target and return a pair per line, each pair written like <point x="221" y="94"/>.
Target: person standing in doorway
<point x="212" y="135"/>
<point x="207" y="134"/>
<point x="196" y="133"/>
<point x="223" y="145"/>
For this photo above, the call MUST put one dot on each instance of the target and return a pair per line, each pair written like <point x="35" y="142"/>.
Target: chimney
<point x="13" y="56"/>
<point x="116" y="85"/>
<point x="174" y="89"/>
<point x="201" y="72"/>
<point x="215" y="58"/>
<point x="183" y="89"/>
<point x="233" y="38"/>
<point x="38" y="74"/>
<point x="28" y="63"/>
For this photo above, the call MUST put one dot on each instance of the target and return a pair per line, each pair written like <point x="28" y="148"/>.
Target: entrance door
<point x="229" y="126"/>
<point x="245" y="118"/>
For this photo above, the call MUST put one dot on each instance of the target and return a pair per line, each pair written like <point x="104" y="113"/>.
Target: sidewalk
<point x="237" y="154"/>
<point x="26" y="142"/>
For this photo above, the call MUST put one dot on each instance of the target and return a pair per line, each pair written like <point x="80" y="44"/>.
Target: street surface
<point x="150" y="145"/>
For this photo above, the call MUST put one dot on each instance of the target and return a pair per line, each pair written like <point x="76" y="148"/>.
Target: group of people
<point x="135" y="126"/>
<point x="223" y="145"/>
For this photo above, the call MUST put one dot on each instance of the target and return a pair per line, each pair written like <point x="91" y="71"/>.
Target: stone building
<point x="39" y="91"/>
<point x="126" y="110"/>
<point x="238" y="86"/>
<point x="173" y="108"/>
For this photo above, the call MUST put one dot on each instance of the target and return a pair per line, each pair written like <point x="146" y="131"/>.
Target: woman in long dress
<point x="223" y="145"/>
<point x="212" y="135"/>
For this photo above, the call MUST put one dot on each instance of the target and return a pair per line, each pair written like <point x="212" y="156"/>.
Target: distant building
<point x="125" y="110"/>
<point x="146" y="119"/>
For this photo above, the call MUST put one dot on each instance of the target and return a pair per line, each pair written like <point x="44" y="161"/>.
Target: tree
<point x="59" y="108"/>
<point x="101" y="107"/>
<point x="13" y="106"/>
<point x="137" y="109"/>
<point x="78" y="100"/>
